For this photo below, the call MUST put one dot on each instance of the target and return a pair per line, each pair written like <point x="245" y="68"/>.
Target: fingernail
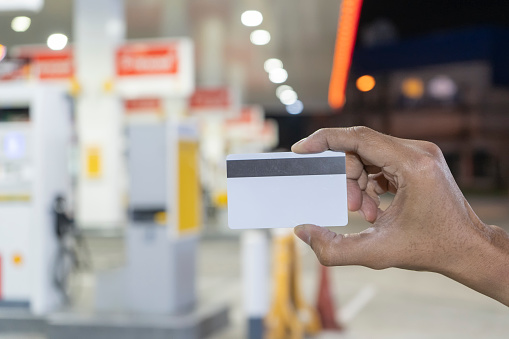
<point x="302" y="233"/>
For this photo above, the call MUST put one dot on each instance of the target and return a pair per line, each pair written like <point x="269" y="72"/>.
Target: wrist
<point x="483" y="262"/>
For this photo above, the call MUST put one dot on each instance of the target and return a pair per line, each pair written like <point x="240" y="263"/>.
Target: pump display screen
<point x="14" y="114"/>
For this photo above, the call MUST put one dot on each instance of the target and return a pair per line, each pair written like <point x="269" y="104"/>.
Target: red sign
<point x="147" y="59"/>
<point x="142" y="105"/>
<point x="54" y="65"/>
<point x="247" y="116"/>
<point x="211" y="99"/>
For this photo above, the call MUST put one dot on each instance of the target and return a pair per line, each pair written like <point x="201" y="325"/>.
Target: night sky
<point x="419" y="17"/>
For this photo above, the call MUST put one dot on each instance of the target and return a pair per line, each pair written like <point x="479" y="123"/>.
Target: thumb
<point x="333" y="249"/>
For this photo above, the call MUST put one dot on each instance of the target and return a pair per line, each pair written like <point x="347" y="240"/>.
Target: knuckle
<point x="363" y="132"/>
<point x="430" y="157"/>
<point x="322" y="132"/>
<point x="431" y="149"/>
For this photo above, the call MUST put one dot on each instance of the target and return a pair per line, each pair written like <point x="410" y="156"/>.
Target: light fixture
<point x="20" y="23"/>
<point x="365" y="83"/>
<point x="271" y="64"/>
<point x="442" y="87"/>
<point x="288" y="97"/>
<point x="57" y="41"/>
<point x="260" y="37"/>
<point x="278" y="75"/>
<point x="412" y="88"/>
<point x="251" y="18"/>
<point x="3" y="52"/>
<point x="296" y="108"/>
<point x="282" y="88"/>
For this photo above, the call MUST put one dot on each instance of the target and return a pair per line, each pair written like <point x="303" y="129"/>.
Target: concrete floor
<point x="372" y="304"/>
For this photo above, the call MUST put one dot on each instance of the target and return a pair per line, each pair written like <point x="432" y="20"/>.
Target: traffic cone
<point x="325" y="304"/>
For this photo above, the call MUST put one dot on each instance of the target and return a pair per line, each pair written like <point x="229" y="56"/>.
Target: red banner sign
<point x="54" y="65"/>
<point x="142" y="105"/>
<point x="211" y="99"/>
<point x="147" y="59"/>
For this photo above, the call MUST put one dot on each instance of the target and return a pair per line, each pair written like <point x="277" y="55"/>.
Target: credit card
<point x="285" y="189"/>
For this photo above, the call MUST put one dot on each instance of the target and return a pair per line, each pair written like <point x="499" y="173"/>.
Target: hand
<point x="429" y="224"/>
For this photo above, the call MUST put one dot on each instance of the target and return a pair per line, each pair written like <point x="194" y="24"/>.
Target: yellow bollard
<point x="290" y="317"/>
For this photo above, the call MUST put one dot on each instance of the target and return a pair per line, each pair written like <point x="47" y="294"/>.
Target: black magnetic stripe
<point x="285" y="167"/>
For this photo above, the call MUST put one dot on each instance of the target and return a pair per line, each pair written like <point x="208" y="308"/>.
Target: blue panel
<point x="489" y="44"/>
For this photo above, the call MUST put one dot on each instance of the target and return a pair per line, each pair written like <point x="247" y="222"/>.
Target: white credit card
<point x="274" y="190"/>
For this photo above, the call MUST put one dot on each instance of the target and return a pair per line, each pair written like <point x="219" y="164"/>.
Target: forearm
<point x="485" y="266"/>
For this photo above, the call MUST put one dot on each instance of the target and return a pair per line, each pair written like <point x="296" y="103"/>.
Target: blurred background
<point x="115" y="120"/>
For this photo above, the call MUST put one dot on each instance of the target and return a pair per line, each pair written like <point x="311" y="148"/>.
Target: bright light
<point x="296" y="108"/>
<point x="260" y="37"/>
<point x="271" y="64"/>
<point x="20" y="23"/>
<point x="282" y="88"/>
<point x="251" y="18"/>
<point x="278" y="75"/>
<point x="3" y="52"/>
<point x="57" y="41"/>
<point x="412" y="88"/>
<point x="442" y="87"/>
<point x="365" y="83"/>
<point x="288" y="97"/>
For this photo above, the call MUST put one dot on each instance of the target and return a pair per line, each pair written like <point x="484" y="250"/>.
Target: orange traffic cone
<point x="325" y="304"/>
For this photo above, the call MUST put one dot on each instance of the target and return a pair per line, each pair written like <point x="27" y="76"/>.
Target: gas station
<point x="116" y="120"/>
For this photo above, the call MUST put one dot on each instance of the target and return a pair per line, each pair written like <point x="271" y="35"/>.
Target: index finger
<point x="377" y="148"/>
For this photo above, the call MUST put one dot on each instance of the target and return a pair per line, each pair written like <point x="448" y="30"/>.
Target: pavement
<point x="384" y="304"/>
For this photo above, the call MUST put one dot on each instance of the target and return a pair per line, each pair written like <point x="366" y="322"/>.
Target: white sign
<point x="21" y="5"/>
<point x="155" y="68"/>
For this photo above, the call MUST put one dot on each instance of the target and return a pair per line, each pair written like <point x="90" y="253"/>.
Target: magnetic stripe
<point x="285" y="167"/>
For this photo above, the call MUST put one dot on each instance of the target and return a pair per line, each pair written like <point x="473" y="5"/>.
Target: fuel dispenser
<point x="34" y="140"/>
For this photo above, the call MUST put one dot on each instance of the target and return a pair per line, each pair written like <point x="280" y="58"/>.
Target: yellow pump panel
<point x="94" y="163"/>
<point x="189" y="188"/>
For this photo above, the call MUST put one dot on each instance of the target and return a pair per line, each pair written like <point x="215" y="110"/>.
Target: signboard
<point x="146" y="59"/>
<point x="155" y="68"/>
<point x="54" y="65"/>
<point x="250" y="119"/>
<point x="211" y="98"/>
<point x="143" y="111"/>
<point x="141" y="106"/>
<point x="220" y="101"/>
<point x="14" y="70"/>
<point x="21" y="5"/>
<point x="251" y="127"/>
<point x="46" y="64"/>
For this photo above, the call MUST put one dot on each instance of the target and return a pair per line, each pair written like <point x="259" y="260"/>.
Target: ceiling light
<point x="288" y="97"/>
<point x="282" y="88"/>
<point x="278" y="75"/>
<point x="271" y="64"/>
<point x="57" y="41"/>
<point x="260" y="37"/>
<point x="296" y="108"/>
<point x="251" y="18"/>
<point x="20" y="23"/>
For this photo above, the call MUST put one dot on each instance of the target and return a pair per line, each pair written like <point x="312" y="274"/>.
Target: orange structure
<point x="345" y="42"/>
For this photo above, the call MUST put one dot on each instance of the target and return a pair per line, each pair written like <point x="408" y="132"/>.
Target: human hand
<point x="429" y="224"/>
